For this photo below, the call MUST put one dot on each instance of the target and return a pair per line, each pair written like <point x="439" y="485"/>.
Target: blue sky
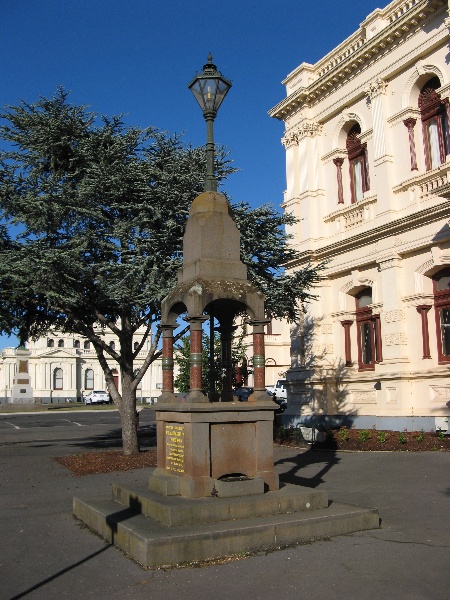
<point x="136" y="57"/>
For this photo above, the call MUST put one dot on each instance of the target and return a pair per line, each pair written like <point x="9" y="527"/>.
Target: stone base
<point x="202" y="443"/>
<point x="165" y="484"/>
<point x="158" y="531"/>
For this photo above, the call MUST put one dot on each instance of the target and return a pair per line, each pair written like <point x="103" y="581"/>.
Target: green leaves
<point x="100" y="210"/>
<point x="267" y="251"/>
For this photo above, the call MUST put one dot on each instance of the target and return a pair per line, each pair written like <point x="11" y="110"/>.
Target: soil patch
<point x="91" y="463"/>
<point x="369" y="440"/>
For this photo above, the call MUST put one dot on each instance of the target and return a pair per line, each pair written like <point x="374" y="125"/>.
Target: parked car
<point x="279" y="389"/>
<point x="97" y="397"/>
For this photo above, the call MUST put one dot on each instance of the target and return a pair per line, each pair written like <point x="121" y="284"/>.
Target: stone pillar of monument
<point x="21" y="390"/>
<point x="203" y="443"/>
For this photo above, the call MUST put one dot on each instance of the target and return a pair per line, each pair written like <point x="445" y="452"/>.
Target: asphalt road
<point x="60" y="418"/>
<point x="46" y="554"/>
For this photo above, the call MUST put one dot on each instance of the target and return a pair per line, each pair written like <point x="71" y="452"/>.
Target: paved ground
<point x="47" y="554"/>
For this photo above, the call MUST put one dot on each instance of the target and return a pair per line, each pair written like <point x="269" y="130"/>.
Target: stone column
<point x="347" y="341"/>
<point x="167" y="365"/>
<point x="339" y="162"/>
<point x="196" y="359"/>
<point x="376" y="92"/>
<point x="259" y="362"/>
<point x="382" y="160"/>
<point x="290" y="143"/>
<point x="409" y="123"/>
<point x="395" y="337"/>
<point x="423" y="311"/>
<point x="447" y="111"/>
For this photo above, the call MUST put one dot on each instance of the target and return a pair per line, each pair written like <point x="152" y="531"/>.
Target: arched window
<point x="434" y="123"/>
<point x="112" y="345"/>
<point x="357" y="156"/>
<point x="441" y="284"/>
<point x="87" y="345"/>
<point x="135" y="345"/>
<point x="50" y="343"/>
<point x="369" y="331"/>
<point x="60" y="343"/>
<point x="76" y="343"/>
<point x="58" y="379"/>
<point x="89" y="379"/>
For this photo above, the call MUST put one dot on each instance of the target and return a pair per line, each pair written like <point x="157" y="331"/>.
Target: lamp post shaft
<point x="210" y="181"/>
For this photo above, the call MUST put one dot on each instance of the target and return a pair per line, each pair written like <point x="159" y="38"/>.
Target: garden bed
<point x="367" y="440"/>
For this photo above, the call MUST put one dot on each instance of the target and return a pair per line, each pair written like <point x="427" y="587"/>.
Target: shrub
<point x="364" y="435"/>
<point x="402" y="437"/>
<point x="343" y="434"/>
<point x="440" y="434"/>
<point x="382" y="436"/>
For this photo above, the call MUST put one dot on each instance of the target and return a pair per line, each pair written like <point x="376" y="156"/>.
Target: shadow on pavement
<point x="59" y="573"/>
<point x="305" y="459"/>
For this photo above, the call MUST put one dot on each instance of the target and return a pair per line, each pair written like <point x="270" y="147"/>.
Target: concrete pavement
<point x="47" y="554"/>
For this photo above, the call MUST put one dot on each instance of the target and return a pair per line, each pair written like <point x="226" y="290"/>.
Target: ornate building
<point x="367" y="162"/>
<point x="64" y="368"/>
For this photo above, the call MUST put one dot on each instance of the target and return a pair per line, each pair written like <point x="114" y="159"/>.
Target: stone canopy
<point x="212" y="272"/>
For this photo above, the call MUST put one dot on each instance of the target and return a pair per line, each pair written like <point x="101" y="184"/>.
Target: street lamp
<point x="209" y="89"/>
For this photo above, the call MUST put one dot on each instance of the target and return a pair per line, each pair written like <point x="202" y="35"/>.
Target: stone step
<point x="175" y="511"/>
<point x="153" y="544"/>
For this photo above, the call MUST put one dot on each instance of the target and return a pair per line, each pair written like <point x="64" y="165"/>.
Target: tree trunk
<point x="128" y="416"/>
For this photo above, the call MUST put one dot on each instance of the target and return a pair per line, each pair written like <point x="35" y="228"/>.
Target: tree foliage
<point x="92" y="215"/>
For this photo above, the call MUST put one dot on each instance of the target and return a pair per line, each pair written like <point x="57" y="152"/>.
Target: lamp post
<point x="209" y="89"/>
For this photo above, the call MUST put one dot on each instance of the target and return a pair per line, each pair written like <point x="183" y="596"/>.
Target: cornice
<point x="355" y="53"/>
<point x="406" y="113"/>
<point x="308" y="129"/>
<point x="422" y="217"/>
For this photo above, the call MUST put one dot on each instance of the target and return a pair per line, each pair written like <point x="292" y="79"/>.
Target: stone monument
<point x="215" y="491"/>
<point x="21" y="389"/>
<point x="204" y="446"/>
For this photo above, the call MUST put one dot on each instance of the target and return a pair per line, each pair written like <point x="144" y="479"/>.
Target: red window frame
<point x="432" y="110"/>
<point x="357" y="153"/>
<point x="369" y="323"/>
<point x="441" y="301"/>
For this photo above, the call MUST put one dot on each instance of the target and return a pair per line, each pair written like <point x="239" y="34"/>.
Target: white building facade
<point x="367" y="163"/>
<point x="64" y="368"/>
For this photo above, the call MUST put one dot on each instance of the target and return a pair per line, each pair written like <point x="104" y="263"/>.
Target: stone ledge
<point x="175" y="511"/>
<point x="152" y="544"/>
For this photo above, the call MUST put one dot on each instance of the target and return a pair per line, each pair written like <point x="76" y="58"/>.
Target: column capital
<point x="377" y="87"/>
<point x="309" y="129"/>
<point x="423" y="308"/>
<point x="410" y="122"/>
<point x="290" y="139"/>
<point x="196" y="323"/>
<point x="167" y="330"/>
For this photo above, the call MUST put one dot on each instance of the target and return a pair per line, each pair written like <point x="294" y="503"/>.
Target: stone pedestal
<point x="204" y="449"/>
<point x="21" y="390"/>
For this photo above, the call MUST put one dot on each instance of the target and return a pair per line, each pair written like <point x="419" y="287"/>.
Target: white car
<point x="97" y="397"/>
<point x="279" y="389"/>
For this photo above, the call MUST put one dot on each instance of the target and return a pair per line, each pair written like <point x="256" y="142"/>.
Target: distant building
<point x="63" y="368"/>
<point x="367" y="162"/>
